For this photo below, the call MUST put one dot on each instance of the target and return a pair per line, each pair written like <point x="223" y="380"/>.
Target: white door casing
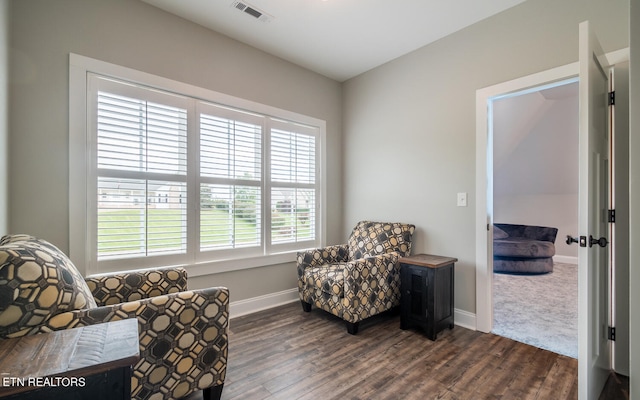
<point x="484" y="178"/>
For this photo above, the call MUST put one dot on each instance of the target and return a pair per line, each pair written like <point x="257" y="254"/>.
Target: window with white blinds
<point x="175" y="178"/>
<point x="293" y="178"/>
<point x="230" y="178"/>
<point x="141" y="174"/>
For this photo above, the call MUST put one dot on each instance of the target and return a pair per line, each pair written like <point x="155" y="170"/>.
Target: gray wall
<point x="634" y="199"/>
<point x="4" y="115"/>
<point x="409" y="125"/>
<point x="136" y="35"/>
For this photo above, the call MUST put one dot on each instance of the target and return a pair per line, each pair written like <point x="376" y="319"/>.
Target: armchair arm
<point x="371" y="285"/>
<point x="183" y="339"/>
<point x="135" y="285"/>
<point x="327" y="255"/>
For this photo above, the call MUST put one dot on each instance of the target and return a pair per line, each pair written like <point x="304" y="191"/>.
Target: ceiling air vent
<point x="251" y="10"/>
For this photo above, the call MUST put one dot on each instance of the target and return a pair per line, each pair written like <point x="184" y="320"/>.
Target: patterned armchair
<point x="358" y="279"/>
<point x="183" y="334"/>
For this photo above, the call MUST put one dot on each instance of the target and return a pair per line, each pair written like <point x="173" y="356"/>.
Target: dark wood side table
<point x="92" y="362"/>
<point x="427" y="288"/>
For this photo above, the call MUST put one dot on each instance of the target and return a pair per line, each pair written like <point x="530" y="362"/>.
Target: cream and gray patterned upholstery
<point x="358" y="279"/>
<point x="183" y="334"/>
<point x="37" y="281"/>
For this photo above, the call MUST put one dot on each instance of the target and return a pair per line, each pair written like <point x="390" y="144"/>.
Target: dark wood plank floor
<point x="616" y="388"/>
<point x="284" y="353"/>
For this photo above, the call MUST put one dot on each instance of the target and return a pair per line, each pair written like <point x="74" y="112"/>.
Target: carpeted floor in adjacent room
<point x="540" y="310"/>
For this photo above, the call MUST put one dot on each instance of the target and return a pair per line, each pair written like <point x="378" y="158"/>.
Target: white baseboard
<point x="565" y="259"/>
<point x="239" y="308"/>
<point x="255" y="304"/>
<point x="464" y="319"/>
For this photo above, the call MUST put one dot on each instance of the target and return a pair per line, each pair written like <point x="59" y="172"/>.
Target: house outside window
<point x="171" y="174"/>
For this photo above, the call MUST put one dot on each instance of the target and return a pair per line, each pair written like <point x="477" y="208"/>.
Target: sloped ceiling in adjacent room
<point x="536" y="142"/>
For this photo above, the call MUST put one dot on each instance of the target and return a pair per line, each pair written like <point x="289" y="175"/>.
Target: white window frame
<point x="82" y="175"/>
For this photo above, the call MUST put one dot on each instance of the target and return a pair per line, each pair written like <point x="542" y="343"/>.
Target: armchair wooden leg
<point x="306" y="307"/>
<point x="213" y="393"/>
<point x="352" y="327"/>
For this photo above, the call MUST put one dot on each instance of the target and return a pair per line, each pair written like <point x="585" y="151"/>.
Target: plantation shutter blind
<point x="141" y="158"/>
<point x="294" y="184"/>
<point x="230" y="178"/>
<point x="180" y="179"/>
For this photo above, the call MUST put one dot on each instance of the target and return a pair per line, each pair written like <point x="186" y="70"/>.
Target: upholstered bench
<point x="523" y="249"/>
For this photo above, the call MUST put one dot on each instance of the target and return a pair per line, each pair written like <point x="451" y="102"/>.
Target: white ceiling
<point x="337" y="38"/>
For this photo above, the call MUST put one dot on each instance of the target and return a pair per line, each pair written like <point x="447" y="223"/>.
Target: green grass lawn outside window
<point x="122" y="232"/>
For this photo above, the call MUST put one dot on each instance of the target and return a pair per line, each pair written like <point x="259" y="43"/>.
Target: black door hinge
<point x="612" y="98"/>
<point x="611" y="216"/>
<point x="612" y="334"/>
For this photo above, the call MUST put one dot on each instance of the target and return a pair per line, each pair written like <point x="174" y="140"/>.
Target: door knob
<point x="602" y="242"/>
<point x="571" y="239"/>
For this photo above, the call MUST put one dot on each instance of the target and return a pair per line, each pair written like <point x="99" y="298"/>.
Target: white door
<point x="593" y="344"/>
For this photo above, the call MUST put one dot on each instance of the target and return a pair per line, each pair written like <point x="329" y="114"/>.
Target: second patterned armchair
<point x="183" y="335"/>
<point x="358" y="279"/>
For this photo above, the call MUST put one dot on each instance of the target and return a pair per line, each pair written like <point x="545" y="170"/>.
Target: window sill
<point x="218" y="266"/>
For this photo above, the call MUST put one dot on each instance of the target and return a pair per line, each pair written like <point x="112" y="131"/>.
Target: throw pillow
<point x="37" y="281"/>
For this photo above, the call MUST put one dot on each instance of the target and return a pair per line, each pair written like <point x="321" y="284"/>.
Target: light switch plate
<point x="462" y="199"/>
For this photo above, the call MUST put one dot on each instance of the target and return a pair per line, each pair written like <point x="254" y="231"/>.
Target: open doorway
<point x="535" y="184"/>
<point x="484" y="217"/>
